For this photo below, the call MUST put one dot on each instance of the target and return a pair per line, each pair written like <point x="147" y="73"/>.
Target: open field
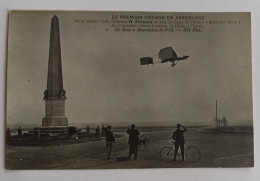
<point x="226" y="149"/>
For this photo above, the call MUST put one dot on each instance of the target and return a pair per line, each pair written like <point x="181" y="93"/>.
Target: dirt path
<point x="218" y="150"/>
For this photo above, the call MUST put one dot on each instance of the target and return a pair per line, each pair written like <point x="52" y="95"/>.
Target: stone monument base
<point x="55" y="121"/>
<point x="52" y="129"/>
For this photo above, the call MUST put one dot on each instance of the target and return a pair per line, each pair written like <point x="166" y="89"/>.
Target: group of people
<point x="133" y="141"/>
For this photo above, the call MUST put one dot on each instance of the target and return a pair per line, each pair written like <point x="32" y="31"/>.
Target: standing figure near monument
<point x="72" y="132"/>
<point x="8" y="133"/>
<point x="19" y="131"/>
<point x="133" y="141"/>
<point x="179" y="140"/>
<point x="87" y="129"/>
<point x="103" y="131"/>
<point x="97" y="131"/>
<point x="110" y="140"/>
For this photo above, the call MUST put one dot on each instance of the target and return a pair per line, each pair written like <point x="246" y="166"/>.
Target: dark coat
<point x="133" y="137"/>
<point x="110" y="136"/>
<point x="178" y="135"/>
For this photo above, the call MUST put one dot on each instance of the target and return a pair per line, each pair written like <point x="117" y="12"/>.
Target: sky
<point x="105" y="82"/>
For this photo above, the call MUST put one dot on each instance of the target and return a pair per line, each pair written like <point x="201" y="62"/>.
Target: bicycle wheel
<point x="193" y="154"/>
<point x="166" y="154"/>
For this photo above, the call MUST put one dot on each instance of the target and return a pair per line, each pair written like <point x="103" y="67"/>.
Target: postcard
<point x="118" y="89"/>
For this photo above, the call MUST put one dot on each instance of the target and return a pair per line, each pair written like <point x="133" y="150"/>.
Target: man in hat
<point x="110" y="139"/>
<point x="87" y="129"/>
<point x="19" y="131"/>
<point x="98" y="131"/>
<point x="179" y="140"/>
<point x="133" y="141"/>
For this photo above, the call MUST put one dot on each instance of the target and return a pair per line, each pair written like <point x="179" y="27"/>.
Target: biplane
<point x="165" y="55"/>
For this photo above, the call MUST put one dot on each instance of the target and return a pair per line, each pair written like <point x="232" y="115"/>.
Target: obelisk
<point x="55" y="95"/>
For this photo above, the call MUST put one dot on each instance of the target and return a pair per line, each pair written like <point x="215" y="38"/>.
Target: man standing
<point x="133" y="141"/>
<point x="19" y="131"/>
<point x="179" y="140"/>
<point x="98" y="131"/>
<point x="87" y="129"/>
<point x="8" y="133"/>
<point x="110" y="139"/>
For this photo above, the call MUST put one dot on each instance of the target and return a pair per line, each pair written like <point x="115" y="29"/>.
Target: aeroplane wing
<point x="167" y="54"/>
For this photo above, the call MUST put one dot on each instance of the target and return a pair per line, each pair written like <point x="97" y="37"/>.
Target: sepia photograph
<point x="128" y="90"/>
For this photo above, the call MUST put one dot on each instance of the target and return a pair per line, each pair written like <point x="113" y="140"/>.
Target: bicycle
<point x="192" y="153"/>
<point x="144" y="142"/>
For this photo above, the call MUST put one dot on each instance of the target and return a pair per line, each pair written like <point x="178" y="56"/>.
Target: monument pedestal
<point x="52" y="129"/>
<point x="55" y="113"/>
<point x="54" y="121"/>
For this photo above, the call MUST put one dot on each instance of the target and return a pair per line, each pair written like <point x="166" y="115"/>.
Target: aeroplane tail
<point x="146" y="60"/>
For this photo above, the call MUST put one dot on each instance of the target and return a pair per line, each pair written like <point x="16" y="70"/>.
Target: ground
<point x="226" y="149"/>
